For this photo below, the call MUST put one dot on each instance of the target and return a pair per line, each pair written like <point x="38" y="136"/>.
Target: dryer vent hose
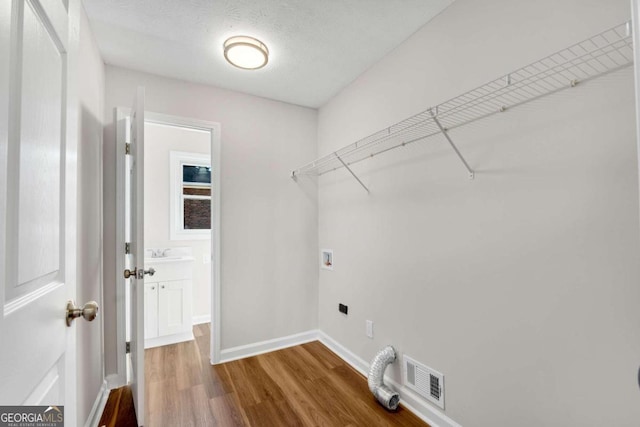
<point x="387" y="397"/>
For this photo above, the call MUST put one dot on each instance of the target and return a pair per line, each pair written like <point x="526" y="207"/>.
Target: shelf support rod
<point x="349" y="169"/>
<point x="446" y="135"/>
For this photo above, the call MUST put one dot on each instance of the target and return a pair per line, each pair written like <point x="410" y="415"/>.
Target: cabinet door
<point x="150" y="310"/>
<point x="174" y="307"/>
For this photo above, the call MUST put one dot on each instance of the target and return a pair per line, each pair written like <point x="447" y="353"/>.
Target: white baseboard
<point x="240" y="352"/>
<point x="356" y="362"/>
<point x="168" y="339"/>
<point x="115" y="381"/>
<point x="198" y="320"/>
<point x="98" y="406"/>
<point x="408" y="399"/>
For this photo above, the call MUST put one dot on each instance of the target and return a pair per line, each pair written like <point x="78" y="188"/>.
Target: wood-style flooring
<point x="306" y="385"/>
<point x="119" y="411"/>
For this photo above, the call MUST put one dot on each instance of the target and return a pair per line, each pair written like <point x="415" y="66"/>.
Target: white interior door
<point x="635" y="19"/>
<point x="37" y="206"/>
<point x="137" y="253"/>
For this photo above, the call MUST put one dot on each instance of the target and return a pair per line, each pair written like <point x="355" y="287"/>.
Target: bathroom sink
<point x="169" y="268"/>
<point x="168" y="259"/>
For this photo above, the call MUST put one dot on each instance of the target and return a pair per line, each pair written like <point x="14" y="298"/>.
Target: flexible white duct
<point x="387" y="397"/>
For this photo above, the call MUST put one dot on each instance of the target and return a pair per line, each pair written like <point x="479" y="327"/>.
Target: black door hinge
<point x="128" y="347"/>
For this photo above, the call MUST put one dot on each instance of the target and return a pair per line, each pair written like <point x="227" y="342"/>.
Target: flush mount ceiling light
<point x="246" y="52"/>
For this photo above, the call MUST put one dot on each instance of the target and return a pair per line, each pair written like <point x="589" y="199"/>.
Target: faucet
<point x="159" y="253"/>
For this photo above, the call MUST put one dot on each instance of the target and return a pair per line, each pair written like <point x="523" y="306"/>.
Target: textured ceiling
<point x="317" y="47"/>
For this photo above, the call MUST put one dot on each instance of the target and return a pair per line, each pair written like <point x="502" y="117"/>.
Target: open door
<point x="130" y="239"/>
<point x="136" y="273"/>
<point x="38" y="198"/>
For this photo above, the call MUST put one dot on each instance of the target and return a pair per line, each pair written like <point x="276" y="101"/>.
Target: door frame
<point x="120" y="114"/>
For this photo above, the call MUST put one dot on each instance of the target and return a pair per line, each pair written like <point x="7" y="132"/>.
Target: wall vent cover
<point x="425" y="381"/>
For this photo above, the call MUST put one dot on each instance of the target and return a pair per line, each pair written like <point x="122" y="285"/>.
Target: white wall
<point x="89" y="274"/>
<point x="521" y="286"/>
<point x="160" y="140"/>
<point x="269" y="223"/>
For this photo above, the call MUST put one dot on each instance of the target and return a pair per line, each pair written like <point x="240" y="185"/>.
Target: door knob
<point x="138" y="274"/>
<point x="150" y="271"/>
<point x="89" y="311"/>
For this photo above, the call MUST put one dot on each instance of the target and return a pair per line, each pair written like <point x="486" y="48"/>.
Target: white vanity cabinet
<point x="167" y="301"/>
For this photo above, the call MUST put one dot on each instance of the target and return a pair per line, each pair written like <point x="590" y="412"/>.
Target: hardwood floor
<point x="119" y="411"/>
<point x="306" y="385"/>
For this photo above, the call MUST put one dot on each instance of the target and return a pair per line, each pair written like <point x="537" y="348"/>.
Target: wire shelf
<point x="603" y="53"/>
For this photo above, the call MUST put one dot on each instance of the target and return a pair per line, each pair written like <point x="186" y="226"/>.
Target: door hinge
<point x="128" y="347"/>
<point x="127" y="248"/>
<point x="127" y="148"/>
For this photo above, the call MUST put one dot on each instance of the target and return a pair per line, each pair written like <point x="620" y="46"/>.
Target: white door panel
<point x="48" y="390"/>
<point x="137" y="253"/>
<point x="37" y="253"/>
<point x="40" y="144"/>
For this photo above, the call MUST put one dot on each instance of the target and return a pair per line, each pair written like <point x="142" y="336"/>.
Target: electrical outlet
<point x="343" y="308"/>
<point x="370" y="328"/>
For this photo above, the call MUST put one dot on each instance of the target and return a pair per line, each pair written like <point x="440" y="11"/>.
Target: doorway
<point x="177" y="232"/>
<point x="182" y="240"/>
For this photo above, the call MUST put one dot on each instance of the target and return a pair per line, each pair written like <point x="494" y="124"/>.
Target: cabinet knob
<point x="153" y="288"/>
<point x="162" y="286"/>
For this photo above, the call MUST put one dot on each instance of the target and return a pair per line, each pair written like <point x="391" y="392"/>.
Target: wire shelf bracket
<point x="604" y="53"/>
<point x="354" y="175"/>
<point x="446" y="135"/>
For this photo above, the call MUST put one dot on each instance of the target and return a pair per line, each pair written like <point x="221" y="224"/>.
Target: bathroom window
<point x="190" y="196"/>
<point x="196" y="197"/>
